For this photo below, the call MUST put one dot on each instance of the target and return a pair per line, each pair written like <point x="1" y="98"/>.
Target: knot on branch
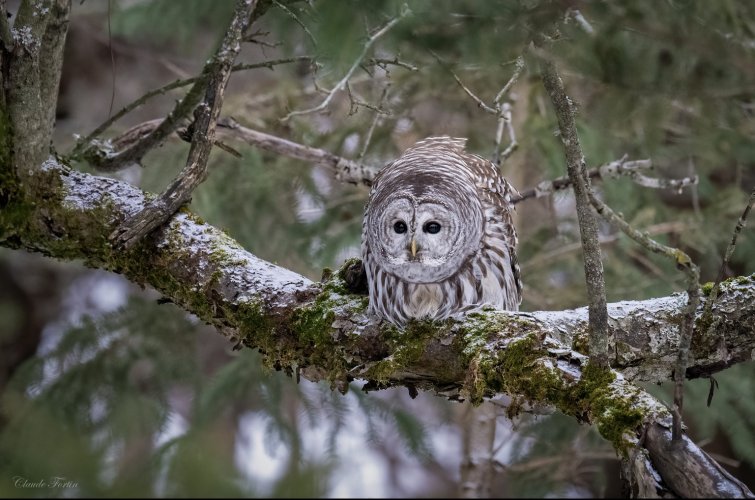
<point x="354" y="276"/>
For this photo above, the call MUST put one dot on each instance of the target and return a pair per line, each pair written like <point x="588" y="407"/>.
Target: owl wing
<point x="496" y="194"/>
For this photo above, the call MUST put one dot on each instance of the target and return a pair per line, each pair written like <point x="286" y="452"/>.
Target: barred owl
<point x="437" y="235"/>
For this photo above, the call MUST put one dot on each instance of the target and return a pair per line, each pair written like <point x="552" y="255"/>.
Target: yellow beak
<point x="414" y="248"/>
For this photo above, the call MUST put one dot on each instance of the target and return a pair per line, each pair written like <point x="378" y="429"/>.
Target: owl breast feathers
<point x="437" y="235"/>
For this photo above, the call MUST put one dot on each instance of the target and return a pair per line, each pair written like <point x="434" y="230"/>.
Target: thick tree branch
<point x="51" y="55"/>
<point x="22" y="86"/>
<point x="6" y="38"/>
<point x="593" y="266"/>
<point x="320" y="330"/>
<point x="683" y="263"/>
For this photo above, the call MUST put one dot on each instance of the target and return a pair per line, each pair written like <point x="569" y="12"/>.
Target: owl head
<point x="424" y="218"/>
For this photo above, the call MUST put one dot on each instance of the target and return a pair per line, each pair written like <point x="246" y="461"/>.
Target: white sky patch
<point x="308" y="208"/>
<point x="253" y="456"/>
<point x="347" y="253"/>
<point x="350" y="144"/>
<point x="364" y="474"/>
<point x="176" y="426"/>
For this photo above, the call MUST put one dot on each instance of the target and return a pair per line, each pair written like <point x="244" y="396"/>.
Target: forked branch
<point x="343" y="82"/>
<point x="202" y="133"/>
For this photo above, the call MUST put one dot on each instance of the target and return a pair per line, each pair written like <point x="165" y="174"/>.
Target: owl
<point x="437" y="235"/>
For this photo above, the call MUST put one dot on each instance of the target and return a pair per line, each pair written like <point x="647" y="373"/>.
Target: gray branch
<point x="588" y="226"/>
<point x="614" y="169"/>
<point x="203" y="138"/>
<point x="30" y="85"/>
<point x="111" y="161"/>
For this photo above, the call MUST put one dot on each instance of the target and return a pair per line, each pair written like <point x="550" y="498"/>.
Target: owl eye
<point x="431" y="227"/>
<point x="400" y="227"/>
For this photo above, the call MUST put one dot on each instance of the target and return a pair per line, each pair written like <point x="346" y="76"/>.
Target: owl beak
<point x="414" y="247"/>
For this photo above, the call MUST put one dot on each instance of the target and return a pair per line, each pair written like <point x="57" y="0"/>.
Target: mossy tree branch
<point x="320" y="330"/>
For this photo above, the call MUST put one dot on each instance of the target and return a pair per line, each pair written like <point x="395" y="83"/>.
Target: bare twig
<point x="203" y="134"/>
<point x="588" y="227"/>
<point x="504" y="122"/>
<point x="504" y="117"/>
<point x="376" y="118"/>
<point x="355" y="103"/>
<point x="108" y="160"/>
<point x="385" y="62"/>
<point x="345" y="170"/>
<point x="502" y="110"/>
<point x="713" y="295"/>
<point x="541" y="258"/>
<point x="480" y="103"/>
<point x="252" y="38"/>
<point x="84" y="142"/>
<point x="297" y="20"/>
<point x="613" y="169"/>
<point x="341" y="85"/>
<point x="519" y="66"/>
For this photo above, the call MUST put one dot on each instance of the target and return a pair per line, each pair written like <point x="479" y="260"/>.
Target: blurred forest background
<point x="107" y="388"/>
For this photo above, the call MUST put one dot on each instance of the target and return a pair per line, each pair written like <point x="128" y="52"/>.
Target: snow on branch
<point x="206" y="272"/>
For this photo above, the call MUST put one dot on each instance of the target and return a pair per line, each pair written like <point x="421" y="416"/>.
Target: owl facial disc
<point x="423" y="239"/>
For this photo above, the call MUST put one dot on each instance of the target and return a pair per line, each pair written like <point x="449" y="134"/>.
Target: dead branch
<point x="202" y="132"/>
<point x="610" y="170"/>
<point x="86" y="142"/>
<point x="730" y="250"/>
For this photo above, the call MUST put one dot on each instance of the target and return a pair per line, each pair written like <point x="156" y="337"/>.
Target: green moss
<point x="480" y="329"/>
<point x="525" y="368"/>
<point x="595" y="399"/>
<point x="354" y="261"/>
<point x="524" y="372"/>
<point x="707" y="288"/>
<point x="411" y="344"/>
<point x="255" y="326"/>
<point x="407" y="347"/>
<point x="14" y="209"/>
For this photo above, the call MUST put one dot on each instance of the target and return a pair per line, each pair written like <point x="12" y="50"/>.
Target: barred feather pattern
<point x="473" y="264"/>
